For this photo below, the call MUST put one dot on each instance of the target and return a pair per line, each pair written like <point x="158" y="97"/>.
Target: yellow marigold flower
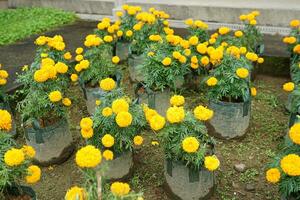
<point x="238" y="33"/>
<point x="119" y="13"/>
<point x="193" y="40"/>
<point x="242" y="72"/>
<point x="84" y="64"/>
<point x="41" y="40"/>
<point x="189" y="22"/>
<point x="202" y="48"/>
<point x="28" y="151"/>
<point x="119" y="189"/>
<point x="255" y="13"/>
<point x="194" y="65"/>
<point x="211" y="163"/>
<point x="79" y="50"/>
<point x="107" y="111"/>
<point x="125" y="7"/>
<point x="149" y="113"/>
<point x="296" y="49"/>
<point x="87" y="133"/>
<point x="177" y="100"/>
<point x="61" y="68"/>
<point x="204" y="60"/>
<point x="5" y="120"/>
<point x="138" y="140"/>
<point x="67" y="102"/>
<point x="74" y="77"/>
<point x="44" y="55"/>
<point x="212" y="40"/>
<point x="3" y="74"/>
<point x="34" y="174"/>
<point x="273" y="175"/>
<point x="212" y="81"/>
<point x="108" y="155"/>
<point x="131" y="11"/>
<point x="47" y="61"/>
<point x="260" y="60"/>
<point x="107" y="84"/>
<point x="55" y="96"/>
<point x="119" y="33"/>
<point x="88" y="157"/>
<point x="98" y="102"/>
<point x="290" y="164"/>
<point x="76" y="193"/>
<point x="190" y="144"/>
<point x="157" y="122"/>
<point x="253" y="91"/>
<point x="223" y="30"/>
<point x="194" y="59"/>
<point x="3" y="81"/>
<point x="175" y="114"/>
<point x="14" y="157"/>
<point x="294" y="133"/>
<point x="41" y="76"/>
<point x="108" y="38"/>
<point x="68" y="56"/>
<point x="187" y="52"/>
<point x="253" y="22"/>
<point x="167" y="61"/>
<point x="250" y="17"/>
<point x="202" y="113"/>
<point x="79" y="58"/>
<point x="243" y="50"/>
<point x="251" y="56"/>
<point x="154" y="143"/>
<point x="182" y="59"/>
<point x="120" y="105"/>
<point x="108" y="140"/>
<point x="288" y="87"/>
<point x="124" y="119"/>
<point x="176" y="54"/>
<point x="129" y="33"/>
<point x="86" y="123"/>
<point x="243" y="17"/>
<point x="115" y="59"/>
<point x="295" y="23"/>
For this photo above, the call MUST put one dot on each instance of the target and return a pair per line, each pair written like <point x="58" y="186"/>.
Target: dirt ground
<point x="268" y="126"/>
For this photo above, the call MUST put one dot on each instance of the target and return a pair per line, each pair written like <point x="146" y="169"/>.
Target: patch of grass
<point x="249" y="175"/>
<point x="16" y="24"/>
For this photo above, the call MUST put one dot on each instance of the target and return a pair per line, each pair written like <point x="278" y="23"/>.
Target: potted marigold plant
<point x="164" y="70"/>
<point x="4" y="104"/>
<point x="293" y="101"/>
<point x="188" y="149"/>
<point x="94" y="64"/>
<point x="229" y="92"/>
<point x="285" y="170"/>
<point x="138" y="26"/>
<point x="15" y="164"/>
<point x="293" y="46"/>
<point x="115" y="128"/>
<point x="89" y="159"/>
<point x="44" y="110"/>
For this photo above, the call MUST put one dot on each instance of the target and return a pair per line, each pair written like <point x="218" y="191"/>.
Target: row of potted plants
<point x="285" y="169"/>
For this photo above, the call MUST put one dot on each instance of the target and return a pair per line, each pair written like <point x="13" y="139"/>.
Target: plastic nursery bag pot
<point x="135" y="64"/>
<point x="20" y="192"/>
<point x="91" y="95"/>
<point x="119" y="168"/>
<point x="53" y="144"/>
<point x="230" y="120"/>
<point x="4" y="105"/>
<point x="185" y="183"/>
<point x="122" y="50"/>
<point x="158" y="100"/>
